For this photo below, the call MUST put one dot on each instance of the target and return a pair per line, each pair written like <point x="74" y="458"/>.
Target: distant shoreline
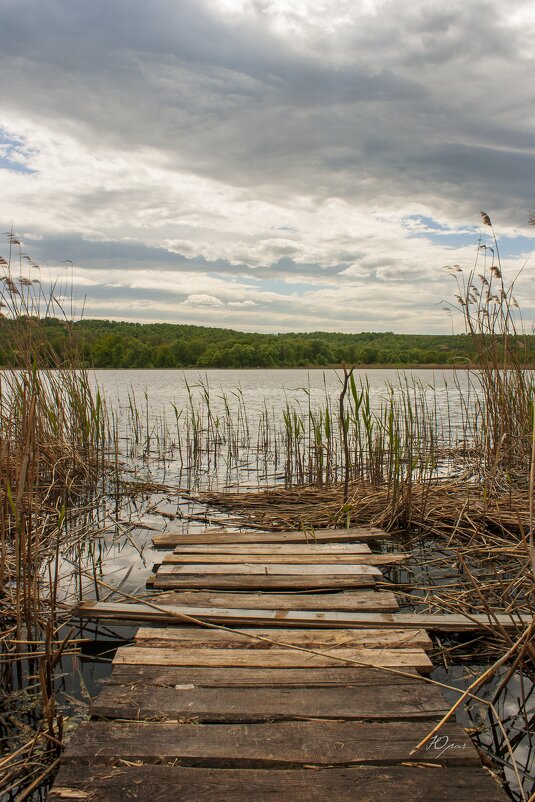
<point x="436" y="366"/>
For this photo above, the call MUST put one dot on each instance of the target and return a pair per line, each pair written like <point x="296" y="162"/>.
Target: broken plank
<point x="363" y="783"/>
<point x="249" y="705"/>
<point x="335" y="560"/>
<point x="346" y="675"/>
<point x="199" y="637"/>
<point x="273" y="658"/>
<point x="281" y="745"/>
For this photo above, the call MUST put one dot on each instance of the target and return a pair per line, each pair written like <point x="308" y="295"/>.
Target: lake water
<point x="231" y="427"/>
<point x="275" y="386"/>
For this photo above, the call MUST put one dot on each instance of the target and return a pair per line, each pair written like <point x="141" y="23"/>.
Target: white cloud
<point x="301" y="158"/>
<point x="201" y="299"/>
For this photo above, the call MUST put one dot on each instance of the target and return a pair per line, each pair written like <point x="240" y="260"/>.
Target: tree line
<point x="112" y="344"/>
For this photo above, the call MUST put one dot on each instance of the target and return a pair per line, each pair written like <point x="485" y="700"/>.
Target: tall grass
<point x="53" y="455"/>
<point x="492" y="318"/>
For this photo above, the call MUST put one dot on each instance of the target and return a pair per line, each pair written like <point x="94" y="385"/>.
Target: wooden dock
<point x="281" y="695"/>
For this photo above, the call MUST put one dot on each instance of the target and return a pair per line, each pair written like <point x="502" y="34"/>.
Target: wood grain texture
<point x="260" y="582"/>
<point x="276" y="548"/>
<point x="199" y="637"/>
<point x="330" y="618"/>
<point x="292" y="560"/>
<point x="357" y="784"/>
<point x="172" y="539"/>
<point x="265" y="569"/>
<point x="272" y="658"/>
<point x="343" y="600"/>
<point x="248" y="705"/>
<point x="284" y="744"/>
<point x="341" y="675"/>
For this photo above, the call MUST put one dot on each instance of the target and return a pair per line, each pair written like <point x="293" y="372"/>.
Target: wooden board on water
<point x="363" y="783"/>
<point x="267" y="704"/>
<point x="273" y="658"/>
<point x="171" y="539"/>
<point x="320" y="639"/>
<point x="170" y="676"/>
<point x="276" y="548"/>
<point x="342" y="601"/>
<point x="348" y="600"/>
<point x="309" y="618"/>
<point x="259" y="582"/>
<point x="335" y="560"/>
<point x="264" y="569"/>
<point x="281" y="745"/>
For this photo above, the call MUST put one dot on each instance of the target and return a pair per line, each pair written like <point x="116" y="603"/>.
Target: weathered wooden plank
<point x="249" y="705"/>
<point x="272" y="658"/>
<point x="276" y="548"/>
<point x="199" y="637"/>
<point x="363" y="783"/>
<point x="329" y="618"/>
<point x="343" y="600"/>
<point x="264" y="569"/>
<point x="171" y="539"/>
<point x="259" y="582"/>
<point x="292" y="560"/>
<point x="281" y="745"/>
<point x="169" y="676"/>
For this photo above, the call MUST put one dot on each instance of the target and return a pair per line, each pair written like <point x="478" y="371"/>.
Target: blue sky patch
<point x="13" y="154"/>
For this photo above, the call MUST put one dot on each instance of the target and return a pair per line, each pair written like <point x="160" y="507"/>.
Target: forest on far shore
<point x="112" y="344"/>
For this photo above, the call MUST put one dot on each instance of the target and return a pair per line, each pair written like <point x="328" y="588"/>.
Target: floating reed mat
<point x="441" y="507"/>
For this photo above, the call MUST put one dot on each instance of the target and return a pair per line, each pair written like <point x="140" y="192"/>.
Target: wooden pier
<point x="281" y="695"/>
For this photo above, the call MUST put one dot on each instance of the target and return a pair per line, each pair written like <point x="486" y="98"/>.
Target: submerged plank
<point x="363" y="783"/>
<point x="284" y="744"/>
<point x="199" y="637"/>
<point x="293" y="560"/>
<point x="342" y="675"/>
<point x="267" y="704"/>
<point x="272" y="658"/>
<point x="169" y="539"/>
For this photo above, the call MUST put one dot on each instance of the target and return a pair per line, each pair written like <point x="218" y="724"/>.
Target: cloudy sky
<point x="268" y="165"/>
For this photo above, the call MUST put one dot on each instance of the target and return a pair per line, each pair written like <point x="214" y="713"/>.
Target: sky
<point x="269" y="165"/>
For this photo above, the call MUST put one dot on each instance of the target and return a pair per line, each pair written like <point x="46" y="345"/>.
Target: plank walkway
<point x="304" y="702"/>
